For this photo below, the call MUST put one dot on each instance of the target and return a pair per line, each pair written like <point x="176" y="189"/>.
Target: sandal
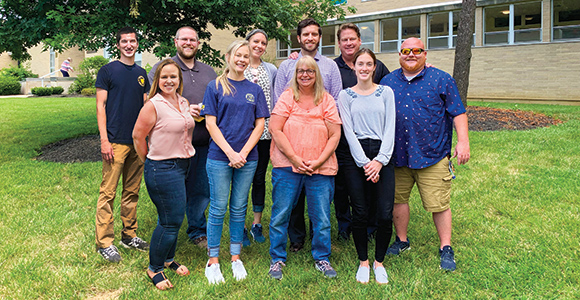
<point x="175" y="266"/>
<point x="159" y="278"/>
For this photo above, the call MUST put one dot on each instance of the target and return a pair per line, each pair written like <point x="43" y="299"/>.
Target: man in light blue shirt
<point x="309" y="32"/>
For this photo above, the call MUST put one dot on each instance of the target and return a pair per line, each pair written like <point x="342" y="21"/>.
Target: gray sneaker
<point x="276" y="269"/>
<point x="110" y="254"/>
<point x="135" y="243"/>
<point x="325" y="267"/>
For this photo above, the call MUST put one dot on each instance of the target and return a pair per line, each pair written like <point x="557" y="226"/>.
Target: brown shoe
<point x="201" y="242"/>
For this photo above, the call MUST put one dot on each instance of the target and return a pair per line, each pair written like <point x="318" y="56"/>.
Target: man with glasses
<point x="196" y="76"/>
<point x="428" y="106"/>
<point x="308" y="35"/>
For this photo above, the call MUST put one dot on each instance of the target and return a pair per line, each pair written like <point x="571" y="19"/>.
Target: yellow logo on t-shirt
<point x="250" y="98"/>
<point x="141" y="80"/>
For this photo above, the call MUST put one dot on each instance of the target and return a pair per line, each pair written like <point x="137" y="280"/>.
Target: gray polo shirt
<point x="195" y="81"/>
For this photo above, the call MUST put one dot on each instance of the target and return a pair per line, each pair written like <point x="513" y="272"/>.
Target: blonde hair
<point x="155" y="84"/>
<point x="319" y="90"/>
<point x="223" y="78"/>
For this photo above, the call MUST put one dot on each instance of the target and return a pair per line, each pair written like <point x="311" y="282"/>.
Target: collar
<point x="183" y="66"/>
<point x="317" y="56"/>
<point x="340" y="62"/>
<point x="402" y="76"/>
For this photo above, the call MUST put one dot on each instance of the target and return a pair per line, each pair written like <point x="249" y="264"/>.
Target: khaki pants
<point x="127" y="163"/>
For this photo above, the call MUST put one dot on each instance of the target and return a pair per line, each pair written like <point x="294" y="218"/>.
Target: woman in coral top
<point x="305" y="128"/>
<point x="166" y="120"/>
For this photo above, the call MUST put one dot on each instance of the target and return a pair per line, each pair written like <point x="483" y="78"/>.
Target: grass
<point x="515" y="204"/>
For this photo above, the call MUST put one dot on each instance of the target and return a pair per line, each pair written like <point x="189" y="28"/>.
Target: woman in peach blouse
<point x="166" y="120"/>
<point x="305" y="128"/>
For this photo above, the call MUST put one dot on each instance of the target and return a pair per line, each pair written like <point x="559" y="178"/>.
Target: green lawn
<point x="515" y="204"/>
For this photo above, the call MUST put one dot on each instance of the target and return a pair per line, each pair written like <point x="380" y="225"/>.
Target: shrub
<point x="89" y="68"/>
<point x="9" y="85"/>
<point x="18" y="72"/>
<point x="91" y="91"/>
<point x="81" y="82"/>
<point x="57" y="90"/>
<point x="42" y="91"/>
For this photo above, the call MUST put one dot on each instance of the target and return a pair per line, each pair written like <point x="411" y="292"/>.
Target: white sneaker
<point x="380" y="274"/>
<point x="239" y="270"/>
<point x="213" y="273"/>
<point x="363" y="274"/>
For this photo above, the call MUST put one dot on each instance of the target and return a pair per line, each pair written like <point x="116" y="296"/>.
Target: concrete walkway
<point x="16" y="96"/>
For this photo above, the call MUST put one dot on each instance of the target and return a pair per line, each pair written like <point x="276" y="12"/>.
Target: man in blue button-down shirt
<point x="428" y="106"/>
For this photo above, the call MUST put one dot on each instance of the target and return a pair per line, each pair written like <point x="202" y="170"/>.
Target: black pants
<point x="259" y="182"/>
<point x="367" y="197"/>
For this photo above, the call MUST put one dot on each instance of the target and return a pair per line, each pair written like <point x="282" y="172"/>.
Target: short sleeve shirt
<point x="236" y="114"/>
<point x="426" y="106"/>
<point x="306" y="131"/>
<point x="125" y="86"/>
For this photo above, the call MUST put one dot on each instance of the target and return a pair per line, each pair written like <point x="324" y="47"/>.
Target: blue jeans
<point x="197" y="187"/>
<point x="221" y="178"/>
<point x="165" y="180"/>
<point x="286" y="189"/>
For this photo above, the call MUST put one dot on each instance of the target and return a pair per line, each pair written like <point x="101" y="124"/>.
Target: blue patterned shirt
<point x="425" y="107"/>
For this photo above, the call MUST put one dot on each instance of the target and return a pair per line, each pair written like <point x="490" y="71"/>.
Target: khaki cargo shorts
<point x="434" y="184"/>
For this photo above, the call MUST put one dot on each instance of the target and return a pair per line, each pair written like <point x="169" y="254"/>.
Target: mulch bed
<point x="493" y="119"/>
<point x="88" y="148"/>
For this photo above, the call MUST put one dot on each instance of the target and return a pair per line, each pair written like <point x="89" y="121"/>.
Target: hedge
<point x="9" y="85"/>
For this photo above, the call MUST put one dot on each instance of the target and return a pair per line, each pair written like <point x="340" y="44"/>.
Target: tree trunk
<point x="462" y="63"/>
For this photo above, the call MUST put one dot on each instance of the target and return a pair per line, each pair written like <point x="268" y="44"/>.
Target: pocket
<point x="164" y="165"/>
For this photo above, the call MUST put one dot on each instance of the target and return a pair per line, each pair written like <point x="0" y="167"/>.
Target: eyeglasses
<point x="307" y="71"/>
<point x="184" y="40"/>
<point x="416" y="51"/>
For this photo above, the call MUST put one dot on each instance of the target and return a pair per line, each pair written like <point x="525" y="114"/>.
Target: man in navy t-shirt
<point x="121" y="90"/>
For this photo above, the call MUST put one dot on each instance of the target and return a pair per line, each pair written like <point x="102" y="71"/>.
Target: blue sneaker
<point x="246" y="241"/>
<point x="397" y="247"/>
<point x="447" y="258"/>
<point x="256" y="233"/>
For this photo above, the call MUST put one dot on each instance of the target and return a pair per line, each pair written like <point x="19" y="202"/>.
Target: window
<point x="367" y="35"/>
<point x="442" y="30"/>
<point x="52" y="58"/>
<point x="327" y="41"/>
<point x="513" y="24"/>
<point x="566" y="19"/>
<point x="394" y="31"/>
<point x="138" y="58"/>
<point x="284" y="49"/>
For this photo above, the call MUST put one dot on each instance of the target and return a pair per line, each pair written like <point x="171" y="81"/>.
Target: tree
<point x="91" y="24"/>
<point x="462" y="62"/>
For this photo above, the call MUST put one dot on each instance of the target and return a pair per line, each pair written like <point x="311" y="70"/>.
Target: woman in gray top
<point x="367" y="111"/>
<point x="264" y="74"/>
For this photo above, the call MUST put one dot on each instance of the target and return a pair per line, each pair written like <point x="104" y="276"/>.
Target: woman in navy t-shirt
<point x="234" y="109"/>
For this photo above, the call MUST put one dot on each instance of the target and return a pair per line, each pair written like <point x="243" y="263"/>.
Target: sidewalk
<point x="16" y="96"/>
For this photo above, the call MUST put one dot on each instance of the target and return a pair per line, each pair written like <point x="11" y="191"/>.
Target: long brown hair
<point x="155" y="84"/>
<point x="223" y="79"/>
<point x="371" y="54"/>
<point x="319" y="90"/>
